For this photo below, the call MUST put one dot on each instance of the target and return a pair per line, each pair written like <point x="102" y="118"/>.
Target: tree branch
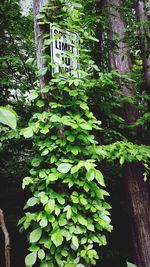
<point x="7" y="239"/>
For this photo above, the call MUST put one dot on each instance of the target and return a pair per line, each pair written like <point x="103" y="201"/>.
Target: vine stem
<point x="7" y="239"/>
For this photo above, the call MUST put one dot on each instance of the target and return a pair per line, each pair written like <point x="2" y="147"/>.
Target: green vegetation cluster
<point x="67" y="214"/>
<point x="71" y="213"/>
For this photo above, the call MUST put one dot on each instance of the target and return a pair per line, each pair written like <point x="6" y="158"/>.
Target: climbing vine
<point x="67" y="214"/>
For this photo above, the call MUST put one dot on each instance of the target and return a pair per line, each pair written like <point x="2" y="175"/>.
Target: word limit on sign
<point x="64" y="50"/>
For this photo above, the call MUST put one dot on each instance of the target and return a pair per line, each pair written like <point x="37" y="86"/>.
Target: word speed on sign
<point x="64" y="50"/>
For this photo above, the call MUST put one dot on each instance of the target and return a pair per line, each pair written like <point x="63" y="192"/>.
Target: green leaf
<point x="75" y="242"/>
<point x="61" y="200"/>
<point x="76" y="82"/>
<point x="47" y="42"/>
<point x="47" y="264"/>
<point x="74" y="150"/>
<point x="55" y="80"/>
<point x="50" y="206"/>
<point x="55" y="118"/>
<point x="131" y="264"/>
<point x="35" y="235"/>
<point x="40" y="16"/>
<point x="32" y="201"/>
<point x="91" y="227"/>
<point x="44" y="130"/>
<point x="74" y="169"/>
<point x="70" y="138"/>
<point x="53" y="159"/>
<point x="82" y="221"/>
<point x="45" y="89"/>
<point x="139" y="157"/>
<point x="66" y="234"/>
<point x="86" y="126"/>
<point x="43" y="222"/>
<point x="45" y="152"/>
<point x="91" y="37"/>
<point x="84" y="240"/>
<point x="42" y="71"/>
<point x="75" y="197"/>
<point x="62" y="222"/>
<point x="53" y="176"/>
<point x="83" y="201"/>
<point x="8" y="117"/>
<point x="42" y="173"/>
<point x="41" y="254"/>
<point x="100" y="178"/>
<point x="70" y="265"/>
<point x="77" y="167"/>
<point x="96" y="67"/>
<point x="26" y="181"/>
<point x="64" y="167"/>
<point x="29" y="61"/>
<point x="33" y="95"/>
<point x="90" y="174"/>
<point x="84" y="106"/>
<point x="27" y="132"/>
<point x="77" y="5"/>
<point x="31" y="259"/>
<point x="69" y="212"/>
<point x="36" y="161"/>
<point x="40" y="103"/>
<point x="57" y="238"/>
<point x="122" y="160"/>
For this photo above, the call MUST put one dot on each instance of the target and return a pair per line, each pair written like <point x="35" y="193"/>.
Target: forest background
<point x="117" y="94"/>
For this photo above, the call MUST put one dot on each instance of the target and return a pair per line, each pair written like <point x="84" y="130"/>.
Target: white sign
<point x="64" y="50"/>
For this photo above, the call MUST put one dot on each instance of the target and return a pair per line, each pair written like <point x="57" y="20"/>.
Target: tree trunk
<point x="119" y="58"/>
<point x="38" y="31"/>
<point x="137" y="189"/>
<point x="144" y="37"/>
<point x="138" y="200"/>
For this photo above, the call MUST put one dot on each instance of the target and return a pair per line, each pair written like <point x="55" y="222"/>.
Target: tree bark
<point x="144" y="37"/>
<point x="7" y="239"/>
<point x="38" y="32"/>
<point x="138" y="200"/>
<point x="119" y="55"/>
<point x="137" y="190"/>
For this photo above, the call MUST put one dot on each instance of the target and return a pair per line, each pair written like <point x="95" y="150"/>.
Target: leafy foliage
<point x="70" y="211"/>
<point x="67" y="215"/>
<point x="65" y="180"/>
<point x="8" y="117"/>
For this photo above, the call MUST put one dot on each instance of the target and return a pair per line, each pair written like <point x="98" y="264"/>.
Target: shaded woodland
<point x="76" y="168"/>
